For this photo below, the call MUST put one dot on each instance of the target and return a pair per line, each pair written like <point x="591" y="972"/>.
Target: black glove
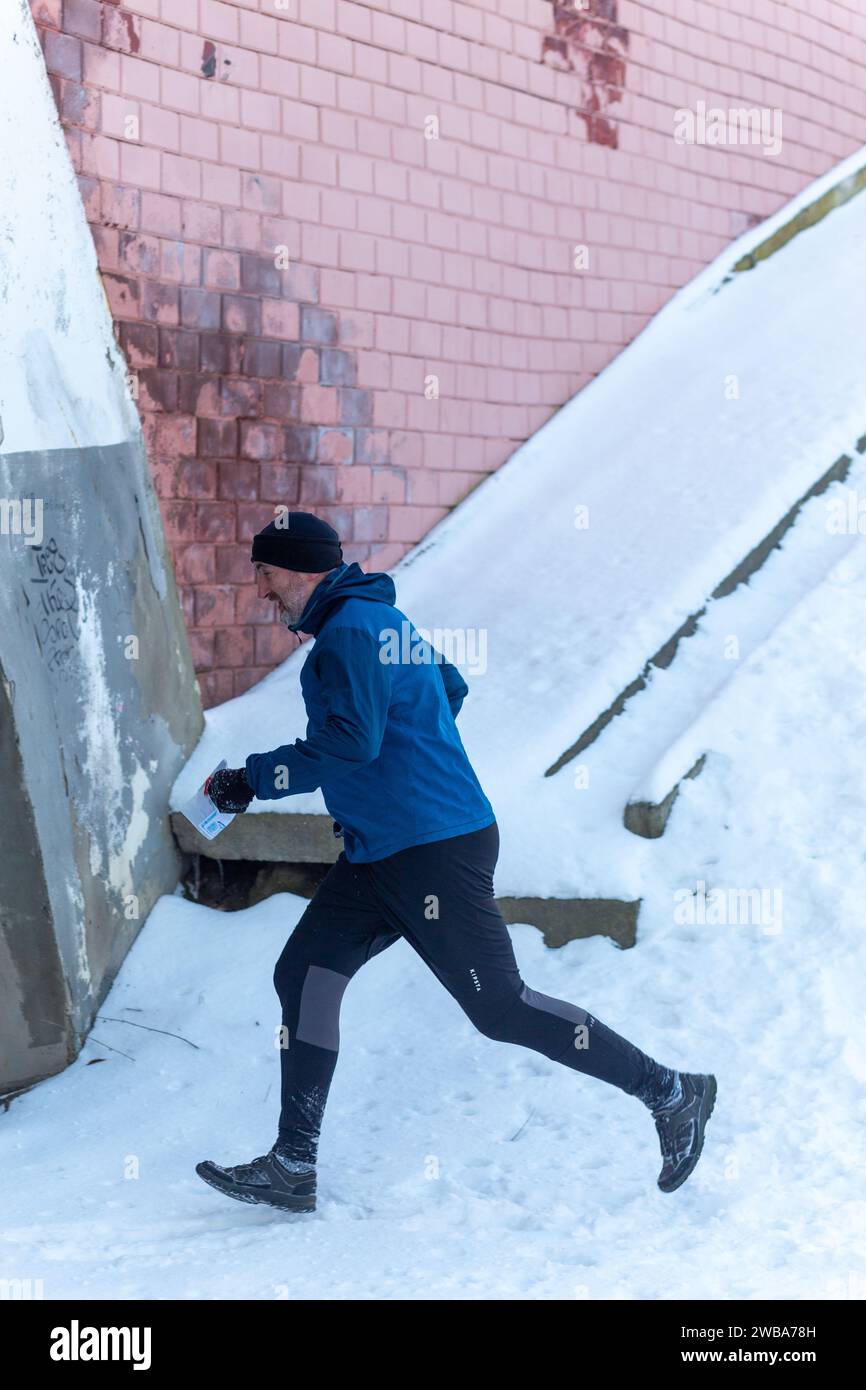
<point x="229" y="789"/>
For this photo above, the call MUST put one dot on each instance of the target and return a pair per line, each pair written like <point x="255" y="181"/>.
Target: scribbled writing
<point x="56" y="615"/>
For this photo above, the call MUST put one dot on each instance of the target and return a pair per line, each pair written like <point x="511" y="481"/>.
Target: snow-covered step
<point x="561" y="920"/>
<point x="304" y="838"/>
<point x="730" y="629"/>
<point x="741" y="574"/>
<point x="647" y="811"/>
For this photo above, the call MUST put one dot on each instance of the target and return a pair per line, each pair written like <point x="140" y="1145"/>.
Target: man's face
<point x="289" y="589"/>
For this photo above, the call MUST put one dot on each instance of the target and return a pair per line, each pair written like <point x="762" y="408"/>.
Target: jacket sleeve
<point x="357" y="693"/>
<point x="456" y="688"/>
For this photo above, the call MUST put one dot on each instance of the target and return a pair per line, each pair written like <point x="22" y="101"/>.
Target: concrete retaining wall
<point x="98" y="701"/>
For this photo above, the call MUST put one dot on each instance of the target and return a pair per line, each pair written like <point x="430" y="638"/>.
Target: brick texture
<point x="357" y="253"/>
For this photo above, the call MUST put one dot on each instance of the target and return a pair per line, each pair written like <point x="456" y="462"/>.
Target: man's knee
<point x="524" y="1015"/>
<point x="291" y="968"/>
<point x="310" y="996"/>
<point x="495" y="1018"/>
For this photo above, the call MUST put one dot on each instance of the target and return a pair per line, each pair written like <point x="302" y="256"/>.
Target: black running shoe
<point x="264" y="1180"/>
<point x="681" y="1129"/>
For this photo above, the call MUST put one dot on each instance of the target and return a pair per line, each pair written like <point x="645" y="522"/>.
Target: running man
<point x="417" y="828"/>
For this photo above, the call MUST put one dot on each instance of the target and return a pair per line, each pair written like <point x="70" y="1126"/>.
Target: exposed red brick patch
<point x="588" y="40"/>
<point x="121" y="31"/>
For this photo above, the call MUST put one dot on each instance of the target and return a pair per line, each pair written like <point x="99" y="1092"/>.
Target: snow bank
<point x="62" y="379"/>
<point x="456" y="1167"/>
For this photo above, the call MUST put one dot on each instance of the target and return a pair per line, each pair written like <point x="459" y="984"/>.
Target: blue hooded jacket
<point x="381" y="740"/>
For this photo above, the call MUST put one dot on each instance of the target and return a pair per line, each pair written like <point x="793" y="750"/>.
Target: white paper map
<point x="203" y="814"/>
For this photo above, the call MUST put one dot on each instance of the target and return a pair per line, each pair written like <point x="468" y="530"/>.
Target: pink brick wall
<point x="208" y="133"/>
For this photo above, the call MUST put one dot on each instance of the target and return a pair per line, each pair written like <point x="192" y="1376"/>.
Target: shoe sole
<point x="711" y="1096"/>
<point x="286" y="1203"/>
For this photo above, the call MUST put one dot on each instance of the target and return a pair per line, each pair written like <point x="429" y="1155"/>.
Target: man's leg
<point x="340" y="929"/>
<point x="440" y="897"/>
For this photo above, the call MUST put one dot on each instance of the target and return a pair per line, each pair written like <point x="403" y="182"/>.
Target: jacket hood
<point x="347" y="581"/>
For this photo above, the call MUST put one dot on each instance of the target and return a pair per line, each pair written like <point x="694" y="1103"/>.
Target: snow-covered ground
<point x="452" y="1166"/>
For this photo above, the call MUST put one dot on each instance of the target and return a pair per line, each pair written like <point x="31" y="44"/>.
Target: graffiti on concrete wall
<point x="56" y="611"/>
<point x="587" y="40"/>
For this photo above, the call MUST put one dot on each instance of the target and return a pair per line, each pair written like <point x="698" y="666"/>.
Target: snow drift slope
<point x="686" y="452"/>
<point x="456" y="1167"/>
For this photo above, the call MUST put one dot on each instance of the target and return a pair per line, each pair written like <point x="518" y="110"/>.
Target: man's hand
<point x="229" y="789"/>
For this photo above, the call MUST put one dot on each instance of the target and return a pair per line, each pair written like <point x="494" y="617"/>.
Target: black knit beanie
<point x="298" y="541"/>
